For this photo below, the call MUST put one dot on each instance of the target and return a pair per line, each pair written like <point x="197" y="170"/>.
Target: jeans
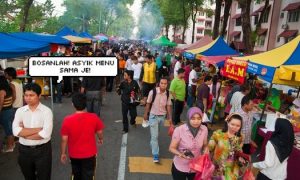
<point x="6" y="119"/>
<point x="191" y="96"/>
<point x="83" y="169"/>
<point x="36" y="162"/>
<point x="155" y="123"/>
<point x="57" y="93"/>
<point x="177" y="110"/>
<point x="132" y="111"/>
<point x="93" y="102"/>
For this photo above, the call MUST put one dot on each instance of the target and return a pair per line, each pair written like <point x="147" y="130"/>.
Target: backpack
<point x="154" y="96"/>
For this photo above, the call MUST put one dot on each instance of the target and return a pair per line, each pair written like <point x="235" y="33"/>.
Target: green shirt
<point x="178" y="87"/>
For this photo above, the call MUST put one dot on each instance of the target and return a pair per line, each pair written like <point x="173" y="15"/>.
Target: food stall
<point x="283" y="70"/>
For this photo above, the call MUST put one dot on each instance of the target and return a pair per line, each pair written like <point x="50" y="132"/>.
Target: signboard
<point x="235" y="69"/>
<point x="264" y="72"/>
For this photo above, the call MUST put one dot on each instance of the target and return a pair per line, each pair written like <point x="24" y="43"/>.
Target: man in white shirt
<point x="237" y="97"/>
<point x="128" y="64"/>
<point x="137" y="69"/>
<point x="33" y="125"/>
<point x="140" y="57"/>
<point x="193" y="78"/>
<point x="177" y="66"/>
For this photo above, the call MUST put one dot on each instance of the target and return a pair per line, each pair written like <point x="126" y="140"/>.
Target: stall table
<point x="293" y="161"/>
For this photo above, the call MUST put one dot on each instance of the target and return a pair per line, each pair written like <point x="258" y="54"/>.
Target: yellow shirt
<point x="149" y="73"/>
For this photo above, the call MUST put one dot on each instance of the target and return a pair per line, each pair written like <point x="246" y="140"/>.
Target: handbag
<point x="171" y="130"/>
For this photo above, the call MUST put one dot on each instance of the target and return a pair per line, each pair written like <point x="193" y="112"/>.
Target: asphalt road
<point x="138" y="160"/>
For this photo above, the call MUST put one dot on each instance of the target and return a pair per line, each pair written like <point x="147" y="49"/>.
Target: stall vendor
<point x="273" y="100"/>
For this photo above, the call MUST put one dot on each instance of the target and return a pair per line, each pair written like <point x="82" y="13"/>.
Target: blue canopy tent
<point x="12" y="47"/>
<point x="48" y="38"/>
<point x="216" y="48"/>
<point x="65" y="31"/>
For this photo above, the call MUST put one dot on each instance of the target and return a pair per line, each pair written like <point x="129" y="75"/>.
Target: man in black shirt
<point x="92" y="86"/>
<point x="128" y="89"/>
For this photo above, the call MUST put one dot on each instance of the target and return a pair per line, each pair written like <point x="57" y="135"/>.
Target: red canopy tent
<point x="202" y="42"/>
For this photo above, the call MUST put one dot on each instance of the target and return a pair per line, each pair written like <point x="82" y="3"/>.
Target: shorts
<point x="147" y="87"/>
<point x="6" y="119"/>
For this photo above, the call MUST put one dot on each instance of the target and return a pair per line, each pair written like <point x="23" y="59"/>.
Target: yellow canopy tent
<point x="76" y="39"/>
<point x="278" y="66"/>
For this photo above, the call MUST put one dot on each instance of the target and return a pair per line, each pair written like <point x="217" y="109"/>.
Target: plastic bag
<point x="197" y="164"/>
<point x="248" y="175"/>
<point x="208" y="169"/>
<point x="203" y="166"/>
<point x="171" y="130"/>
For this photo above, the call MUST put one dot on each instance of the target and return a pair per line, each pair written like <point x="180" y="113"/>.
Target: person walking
<point x="129" y="89"/>
<point x="237" y="97"/>
<point x="33" y="125"/>
<point x="159" y="105"/>
<point x="93" y="86"/>
<point x="188" y="141"/>
<point x="192" y="85"/>
<point x="148" y="77"/>
<point x="177" y="89"/>
<point x="78" y="136"/>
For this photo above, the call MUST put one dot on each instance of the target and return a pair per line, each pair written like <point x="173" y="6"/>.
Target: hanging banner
<point x="235" y="69"/>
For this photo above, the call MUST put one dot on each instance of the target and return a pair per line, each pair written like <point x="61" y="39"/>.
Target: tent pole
<point x="298" y="92"/>
<point x="265" y="106"/>
<point x="51" y="93"/>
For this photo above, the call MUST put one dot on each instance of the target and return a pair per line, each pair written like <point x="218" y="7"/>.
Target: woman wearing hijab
<point x="188" y="141"/>
<point x="278" y="149"/>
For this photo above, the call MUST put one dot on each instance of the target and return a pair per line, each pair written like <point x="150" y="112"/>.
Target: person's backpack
<point x="154" y="96"/>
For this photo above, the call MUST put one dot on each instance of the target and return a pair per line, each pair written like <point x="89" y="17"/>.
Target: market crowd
<point x="164" y="83"/>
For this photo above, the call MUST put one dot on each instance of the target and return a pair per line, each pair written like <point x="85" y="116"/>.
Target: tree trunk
<point x="194" y="14"/>
<point x="26" y="7"/>
<point x="227" y="8"/>
<point x="174" y="31"/>
<point x="185" y="21"/>
<point x="167" y="31"/>
<point x="217" y="19"/>
<point x="246" y="25"/>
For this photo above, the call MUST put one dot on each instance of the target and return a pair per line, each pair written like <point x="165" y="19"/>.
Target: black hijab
<point x="283" y="138"/>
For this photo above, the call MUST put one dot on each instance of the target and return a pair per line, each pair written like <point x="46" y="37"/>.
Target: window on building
<point x="198" y="38"/>
<point x="261" y="40"/>
<point x="208" y="24"/>
<point x="200" y="22"/>
<point x="201" y="13"/>
<point x="265" y="18"/>
<point x="256" y="20"/>
<point x="282" y="15"/>
<point x="238" y="21"/>
<point x="278" y="39"/>
<point x="237" y="37"/>
<point x="293" y="16"/>
<point x="200" y="31"/>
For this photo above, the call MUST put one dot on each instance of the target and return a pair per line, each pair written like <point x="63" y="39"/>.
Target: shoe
<point x="156" y="158"/>
<point x="7" y="150"/>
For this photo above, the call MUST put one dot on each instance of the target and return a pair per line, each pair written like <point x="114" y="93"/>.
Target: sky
<point x="59" y="9"/>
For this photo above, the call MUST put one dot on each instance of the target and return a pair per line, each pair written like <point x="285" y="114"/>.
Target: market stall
<point x="278" y="66"/>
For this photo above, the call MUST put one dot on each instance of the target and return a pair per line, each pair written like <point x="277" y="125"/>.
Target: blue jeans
<point x="6" y="119"/>
<point x="191" y="97"/>
<point x="155" y="122"/>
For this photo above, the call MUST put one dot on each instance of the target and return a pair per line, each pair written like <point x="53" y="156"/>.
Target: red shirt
<point x="81" y="129"/>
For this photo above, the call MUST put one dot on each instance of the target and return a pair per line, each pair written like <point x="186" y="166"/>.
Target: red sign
<point x="235" y="69"/>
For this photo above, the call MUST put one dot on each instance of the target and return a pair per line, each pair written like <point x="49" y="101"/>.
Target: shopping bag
<point x="171" y="130"/>
<point x="197" y="176"/>
<point x="208" y="169"/>
<point x="197" y="164"/>
<point x="248" y="175"/>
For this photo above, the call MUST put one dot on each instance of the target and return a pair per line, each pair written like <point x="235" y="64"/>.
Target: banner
<point x="235" y="69"/>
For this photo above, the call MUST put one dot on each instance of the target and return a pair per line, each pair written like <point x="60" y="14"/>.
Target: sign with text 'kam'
<point x="73" y="66"/>
<point x="235" y="69"/>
